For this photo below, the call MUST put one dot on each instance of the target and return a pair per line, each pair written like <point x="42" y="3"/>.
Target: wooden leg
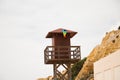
<point x="60" y="75"/>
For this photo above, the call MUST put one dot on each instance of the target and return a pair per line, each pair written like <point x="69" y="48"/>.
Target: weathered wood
<point x="60" y="75"/>
<point x="61" y="54"/>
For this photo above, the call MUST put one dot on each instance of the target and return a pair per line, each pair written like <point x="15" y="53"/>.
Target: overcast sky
<point x="25" y="23"/>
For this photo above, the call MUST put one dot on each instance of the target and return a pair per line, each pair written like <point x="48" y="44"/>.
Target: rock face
<point x="42" y="79"/>
<point x="109" y="44"/>
<point x="48" y="78"/>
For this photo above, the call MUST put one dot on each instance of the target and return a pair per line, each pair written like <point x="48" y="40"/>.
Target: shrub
<point x="77" y="67"/>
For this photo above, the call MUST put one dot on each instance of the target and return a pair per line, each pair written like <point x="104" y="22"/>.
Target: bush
<point x="77" y="67"/>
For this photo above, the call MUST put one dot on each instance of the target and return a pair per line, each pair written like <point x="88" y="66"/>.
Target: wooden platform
<point x="61" y="61"/>
<point x="61" y="54"/>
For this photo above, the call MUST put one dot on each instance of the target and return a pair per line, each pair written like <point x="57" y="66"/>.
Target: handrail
<point x="62" y="52"/>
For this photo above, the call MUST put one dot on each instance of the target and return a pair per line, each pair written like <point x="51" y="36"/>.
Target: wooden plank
<point x="51" y="57"/>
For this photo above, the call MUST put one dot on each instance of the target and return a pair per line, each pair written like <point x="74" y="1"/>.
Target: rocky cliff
<point x="109" y="44"/>
<point x="48" y="78"/>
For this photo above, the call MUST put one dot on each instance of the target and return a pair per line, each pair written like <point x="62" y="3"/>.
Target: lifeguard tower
<point x="61" y="53"/>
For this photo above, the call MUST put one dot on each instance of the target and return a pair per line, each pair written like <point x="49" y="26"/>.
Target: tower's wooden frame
<point x="61" y="54"/>
<point x="49" y="58"/>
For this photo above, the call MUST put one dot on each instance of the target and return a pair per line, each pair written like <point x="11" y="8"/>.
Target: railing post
<point x="61" y="53"/>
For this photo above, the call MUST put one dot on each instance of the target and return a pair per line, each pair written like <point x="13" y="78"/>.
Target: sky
<point x="25" y="23"/>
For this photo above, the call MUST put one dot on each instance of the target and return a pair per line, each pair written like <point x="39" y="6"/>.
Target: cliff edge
<point x="109" y="44"/>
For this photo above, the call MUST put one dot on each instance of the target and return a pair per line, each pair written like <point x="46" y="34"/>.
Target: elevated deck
<point x="61" y="54"/>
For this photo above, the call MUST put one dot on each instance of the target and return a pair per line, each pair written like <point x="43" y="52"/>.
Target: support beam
<point x="62" y="76"/>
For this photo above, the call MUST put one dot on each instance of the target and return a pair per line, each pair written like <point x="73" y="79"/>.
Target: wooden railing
<point x="61" y="53"/>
